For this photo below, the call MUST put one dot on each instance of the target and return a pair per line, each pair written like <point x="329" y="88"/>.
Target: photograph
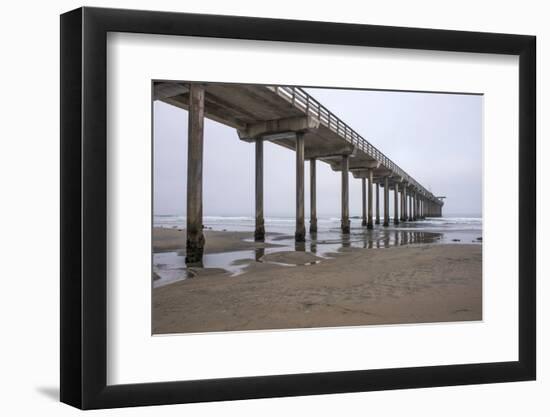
<point x="279" y="207"/>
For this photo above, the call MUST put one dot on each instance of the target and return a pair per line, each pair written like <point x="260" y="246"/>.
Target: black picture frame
<point x="84" y="207"/>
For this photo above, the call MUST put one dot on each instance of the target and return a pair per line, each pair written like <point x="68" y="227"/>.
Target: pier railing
<point x="298" y="98"/>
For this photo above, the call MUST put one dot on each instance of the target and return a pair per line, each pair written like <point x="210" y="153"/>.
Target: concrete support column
<point x="405" y="208"/>
<point x="300" y="234"/>
<point x="425" y="205"/>
<point x="377" y="212"/>
<point x="259" y="231"/>
<point x="396" y="204"/>
<point x="402" y="207"/>
<point x="402" y="216"/>
<point x="386" y="202"/>
<point x="410" y="212"/>
<point x="345" y="194"/>
<point x="407" y="204"/>
<point x="369" y="193"/>
<point x="364" y="201"/>
<point x="312" y="196"/>
<point x="195" y="237"/>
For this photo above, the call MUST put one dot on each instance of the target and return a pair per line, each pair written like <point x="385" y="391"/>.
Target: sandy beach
<point x="353" y="286"/>
<point x="165" y="240"/>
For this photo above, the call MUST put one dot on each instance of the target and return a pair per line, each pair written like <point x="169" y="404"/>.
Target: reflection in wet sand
<point x="170" y="267"/>
<point x="259" y="254"/>
<point x="300" y="246"/>
<point x="313" y="242"/>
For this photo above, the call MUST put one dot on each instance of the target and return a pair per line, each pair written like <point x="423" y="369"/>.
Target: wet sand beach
<point x="172" y="239"/>
<point x="284" y="288"/>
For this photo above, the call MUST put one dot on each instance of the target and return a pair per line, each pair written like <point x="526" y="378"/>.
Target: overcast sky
<point x="436" y="138"/>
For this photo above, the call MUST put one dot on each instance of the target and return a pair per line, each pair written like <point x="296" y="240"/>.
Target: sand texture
<point x="165" y="240"/>
<point x="407" y="284"/>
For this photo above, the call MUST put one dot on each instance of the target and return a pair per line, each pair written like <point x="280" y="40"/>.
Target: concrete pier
<point x="345" y="194"/>
<point x="386" y="201"/>
<point x="364" y="201"/>
<point x="377" y="211"/>
<point x="259" y="231"/>
<point x="195" y="138"/>
<point x="312" y="195"/>
<point x="369" y="193"/>
<point x="291" y="118"/>
<point x="300" y="234"/>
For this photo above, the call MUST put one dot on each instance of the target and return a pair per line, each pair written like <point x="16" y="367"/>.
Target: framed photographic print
<point x="257" y="208"/>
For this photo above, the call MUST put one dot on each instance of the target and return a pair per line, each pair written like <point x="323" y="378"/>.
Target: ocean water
<point x="170" y="266"/>
<point x="324" y="224"/>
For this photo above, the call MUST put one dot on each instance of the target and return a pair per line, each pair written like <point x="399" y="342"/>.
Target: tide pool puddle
<point x="169" y="267"/>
